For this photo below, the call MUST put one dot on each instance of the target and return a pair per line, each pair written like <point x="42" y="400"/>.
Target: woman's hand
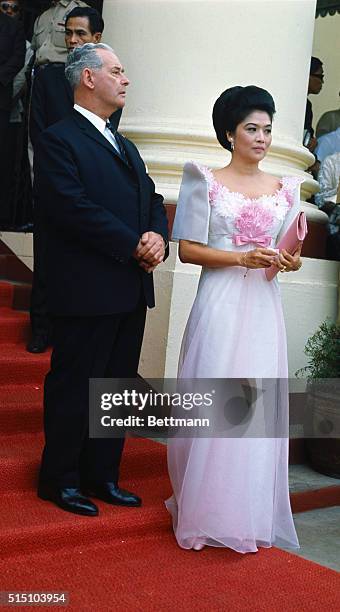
<point x="289" y="263"/>
<point x="203" y="255"/>
<point x="258" y="258"/>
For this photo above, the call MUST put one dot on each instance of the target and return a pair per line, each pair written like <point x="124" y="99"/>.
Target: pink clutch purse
<point x="290" y="241"/>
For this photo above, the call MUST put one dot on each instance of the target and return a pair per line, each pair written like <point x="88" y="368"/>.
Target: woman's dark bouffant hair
<point x="233" y="106"/>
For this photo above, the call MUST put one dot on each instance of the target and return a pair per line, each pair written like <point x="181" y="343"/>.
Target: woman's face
<point x="253" y="136"/>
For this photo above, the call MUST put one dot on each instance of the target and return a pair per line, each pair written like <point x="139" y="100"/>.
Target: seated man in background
<point x="328" y="199"/>
<point x="328" y="122"/>
<point x="328" y="145"/>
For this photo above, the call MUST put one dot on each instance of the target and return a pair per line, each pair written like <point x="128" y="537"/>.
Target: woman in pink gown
<point x="234" y="491"/>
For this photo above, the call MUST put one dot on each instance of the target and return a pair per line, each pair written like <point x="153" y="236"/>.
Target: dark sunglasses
<point x="6" y="6"/>
<point x="319" y="76"/>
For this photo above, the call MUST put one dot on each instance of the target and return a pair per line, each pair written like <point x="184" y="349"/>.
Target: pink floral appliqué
<point x="253" y="217"/>
<point x="252" y="223"/>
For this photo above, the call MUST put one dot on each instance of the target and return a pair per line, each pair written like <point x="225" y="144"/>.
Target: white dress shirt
<point x="328" y="145"/>
<point x="98" y="123"/>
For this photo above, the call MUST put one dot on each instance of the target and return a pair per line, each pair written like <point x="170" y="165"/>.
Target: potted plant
<point x="322" y="417"/>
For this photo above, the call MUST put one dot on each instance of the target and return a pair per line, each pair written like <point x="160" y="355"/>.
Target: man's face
<point x="10" y="8"/>
<point x="77" y="33"/>
<point x="110" y="82"/>
<point x="316" y="81"/>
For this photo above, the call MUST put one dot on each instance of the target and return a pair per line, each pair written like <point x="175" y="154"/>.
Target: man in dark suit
<point x="106" y="230"/>
<point x="12" y="59"/>
<point x="52" y="100"/>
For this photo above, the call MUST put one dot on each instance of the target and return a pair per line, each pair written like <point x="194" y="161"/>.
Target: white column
<point x="180" y="55"/>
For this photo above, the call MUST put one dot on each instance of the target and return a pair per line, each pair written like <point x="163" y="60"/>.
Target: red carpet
<point x="316" y="498"/>
<point x="152" y="574"/>
<point x="125" y="559"/>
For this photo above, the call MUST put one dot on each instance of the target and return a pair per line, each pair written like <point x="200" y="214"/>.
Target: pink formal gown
<point x="233" y="491"/>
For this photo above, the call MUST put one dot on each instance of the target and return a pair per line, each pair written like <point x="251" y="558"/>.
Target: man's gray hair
<point x="83" y="57"/>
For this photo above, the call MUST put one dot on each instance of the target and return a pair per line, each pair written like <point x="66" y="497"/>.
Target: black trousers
<point x="83" y="348"/>
<point x="40" y="319"/>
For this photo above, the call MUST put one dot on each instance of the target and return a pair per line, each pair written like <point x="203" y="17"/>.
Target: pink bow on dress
<point x="240" y="239"/>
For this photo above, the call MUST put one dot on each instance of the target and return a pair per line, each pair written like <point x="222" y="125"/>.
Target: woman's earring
<point x="232" y="145"/>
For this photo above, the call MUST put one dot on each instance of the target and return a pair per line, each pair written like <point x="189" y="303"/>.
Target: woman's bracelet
<point x="244" y="263"/>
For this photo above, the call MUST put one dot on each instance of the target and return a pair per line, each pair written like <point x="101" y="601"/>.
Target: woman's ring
<point x="283" y="269"/>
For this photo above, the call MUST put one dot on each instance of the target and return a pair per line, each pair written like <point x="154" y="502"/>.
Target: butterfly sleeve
<point x="193" y="208"/>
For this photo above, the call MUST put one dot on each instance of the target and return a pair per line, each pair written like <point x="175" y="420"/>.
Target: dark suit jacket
<point x="52" y="100"/>
<point x="309" y="118"/>
<point x="12" y="56"/>
<point x="94" y="207"/>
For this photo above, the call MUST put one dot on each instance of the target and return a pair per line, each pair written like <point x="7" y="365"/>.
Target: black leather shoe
<point x="110" y="493"/>
<point x="38" y="344"/>
<point x="70" y="499"/>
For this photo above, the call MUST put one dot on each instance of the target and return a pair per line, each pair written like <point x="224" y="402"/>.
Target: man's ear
<point x="87" y="78"/>
<point x="97" y="37"/>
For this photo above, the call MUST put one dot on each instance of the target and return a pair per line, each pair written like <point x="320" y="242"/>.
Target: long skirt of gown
<point x="233" y="491"/>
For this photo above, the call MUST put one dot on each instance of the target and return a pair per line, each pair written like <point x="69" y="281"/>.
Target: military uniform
<point x="49" y="32"/>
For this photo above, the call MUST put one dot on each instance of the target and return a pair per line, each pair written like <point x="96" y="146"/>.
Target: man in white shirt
<point x="328" y="144"/>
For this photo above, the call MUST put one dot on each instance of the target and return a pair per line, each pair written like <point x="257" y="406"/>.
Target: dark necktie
<point x="119" y="145"/>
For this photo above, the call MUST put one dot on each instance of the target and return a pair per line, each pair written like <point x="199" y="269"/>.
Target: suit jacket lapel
<point x="139" y="168"/>
<point x="95" y="134"/>
<point x="132" y="155"/>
